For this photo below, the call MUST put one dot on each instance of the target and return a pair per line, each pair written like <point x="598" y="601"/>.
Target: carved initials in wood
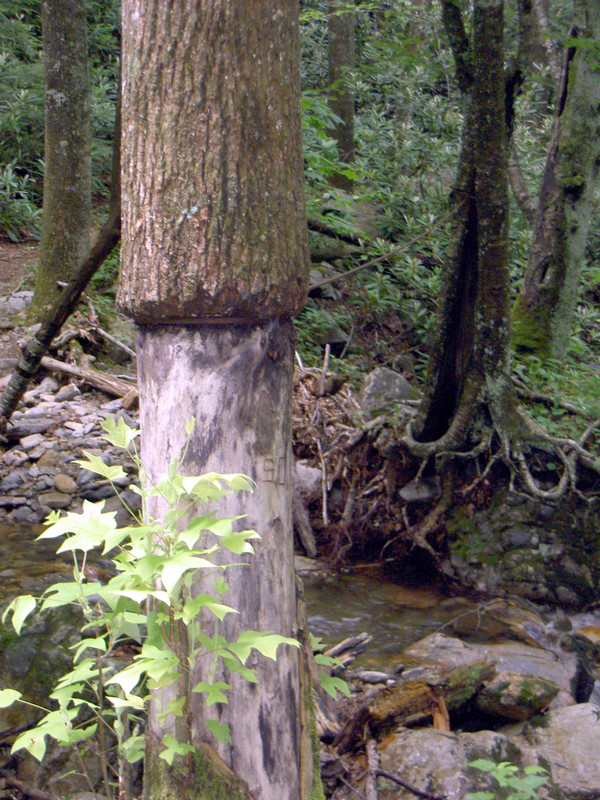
<point x="274" y="471"/>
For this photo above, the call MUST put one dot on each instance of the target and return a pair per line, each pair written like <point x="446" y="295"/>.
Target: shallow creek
<point x="364" y="601"/>
<point x="338" y="605"/>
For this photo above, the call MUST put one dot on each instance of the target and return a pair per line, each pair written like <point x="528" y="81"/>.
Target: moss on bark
<point x="201" y="776"/>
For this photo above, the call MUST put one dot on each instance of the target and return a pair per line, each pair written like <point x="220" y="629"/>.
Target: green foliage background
<point x="407" y="136"/>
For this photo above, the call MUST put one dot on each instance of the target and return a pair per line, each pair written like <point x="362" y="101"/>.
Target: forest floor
<point x="16" y="262"/>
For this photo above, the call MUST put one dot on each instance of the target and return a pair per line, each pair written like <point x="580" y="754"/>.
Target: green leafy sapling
<point x="151" y="602"/>
<point x="511" y="786"/>
<point x="330" y="683"/>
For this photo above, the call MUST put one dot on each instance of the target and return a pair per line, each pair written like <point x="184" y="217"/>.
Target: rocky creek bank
<point x="45" y="437"/>
<point x="501" y="680"/>
<point x="528" y="696"/>
<point x="521" y="688"/>
<point x="546" y="551"/>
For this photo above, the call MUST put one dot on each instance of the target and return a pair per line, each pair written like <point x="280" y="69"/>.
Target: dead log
<point x="348" y="651"/>
<point x="302" y="524"/>
<point x="99" y="380"/>
<point x="412" y="702"/>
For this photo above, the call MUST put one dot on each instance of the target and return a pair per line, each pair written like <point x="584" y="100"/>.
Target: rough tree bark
<point x="341" y="58"/>
<point x="469" y="406"/>
<point x="214" y="265"/>
<point x="471" y="357"/>
<point x="66" y="212"/>
<point x="544" y="309"/>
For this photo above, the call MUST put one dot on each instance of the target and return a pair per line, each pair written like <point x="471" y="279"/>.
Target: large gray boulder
<point x="438" y="763"/>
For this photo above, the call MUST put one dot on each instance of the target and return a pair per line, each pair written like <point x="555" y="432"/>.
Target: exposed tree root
<point x="515" y="438"/>
<point x="367" y="466"/>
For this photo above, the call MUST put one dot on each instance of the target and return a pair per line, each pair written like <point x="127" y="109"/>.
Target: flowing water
<point x="395" y="616"/>
<point x="338" y="605"/>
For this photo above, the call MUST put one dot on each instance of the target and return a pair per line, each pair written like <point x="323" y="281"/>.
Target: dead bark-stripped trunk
<point x="66" y="213"/>
<point x="214" y="264"/>
<point x="543" y="312"/>
<point x="341" y="59"/>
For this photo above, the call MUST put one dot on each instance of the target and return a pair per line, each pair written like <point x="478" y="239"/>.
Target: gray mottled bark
<point x="214" y="264"/>
<point x="543" y="312"/>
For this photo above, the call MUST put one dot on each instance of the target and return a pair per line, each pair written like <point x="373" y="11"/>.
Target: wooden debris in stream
<point x="413" y="702"/>
<point x="357" y="496"/>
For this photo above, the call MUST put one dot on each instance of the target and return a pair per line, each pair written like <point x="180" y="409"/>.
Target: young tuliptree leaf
<point x="220" y="730"/>
<point x="192" y="608"/>
<point x="177" y="565"/>
<point x="333" y="685"/>
<point x="215" y="692"/>
<point x="119" y="433"/>
<point x="265" y="643"/>
<point x="97" y="643"/>
<point x="134" y="748"/>
<point x="96" y="464"/>
<point x="84" y="530"/>
<point x="174" y="748"/>
<point x="21" y="608"/>
<point x="8" y="697"/>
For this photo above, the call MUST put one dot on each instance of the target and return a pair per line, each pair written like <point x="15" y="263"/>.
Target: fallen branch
<point x="26" y="789"/>
<point x="318" y="226"/>
<point x="348" y="651"/>
<point x="394" y="251"/>
<point x="100" y="380"/>
<point x="372" y="770"/>
<point x="418" y="792"/>
<point x="35" y="348"/>
<point x="549" y="400"/>
<point x="114" y="341"/>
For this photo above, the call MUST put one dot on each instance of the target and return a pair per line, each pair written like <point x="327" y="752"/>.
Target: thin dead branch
<point x="413" y="789"/>
<point x="371" y="792"/>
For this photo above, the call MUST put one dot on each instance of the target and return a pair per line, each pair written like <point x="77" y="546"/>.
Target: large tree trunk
<point x="67" y="176"/>
<point x="341" y="60"/>
<point x="470" y="358"/>
<point x="241" y="397"/>
<point x="214" y="264"/>
<point x="543" y="312"/>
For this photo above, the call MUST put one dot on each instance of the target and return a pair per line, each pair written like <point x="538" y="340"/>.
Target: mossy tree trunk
<point x="214" y="265"/>
<point x="544" y="309"/>
<point x="471" y="358"/>
<point x="341" y="61"/>
<point x="66" y="213"/>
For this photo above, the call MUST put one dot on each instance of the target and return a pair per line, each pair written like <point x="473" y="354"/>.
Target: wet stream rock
<point x="526" y="707"/>
<point x="545" y="551"/>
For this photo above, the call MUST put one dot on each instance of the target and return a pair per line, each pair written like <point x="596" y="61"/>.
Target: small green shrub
<point x="18" y="214"/>
<point x="152" y="601"/>
<point x="511" y="786"/>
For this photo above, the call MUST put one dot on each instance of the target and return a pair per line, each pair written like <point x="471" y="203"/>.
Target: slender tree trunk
<point x="341" y="56"/>
<point x="67" y="177"/>
<point x="543" y="312"/>
<point x="107" y="239"/>
<point x="214" y="264"/>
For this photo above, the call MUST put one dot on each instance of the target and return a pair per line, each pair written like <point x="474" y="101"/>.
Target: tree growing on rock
<point x="470" y="406"/>
<point x="214" y="266"/>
